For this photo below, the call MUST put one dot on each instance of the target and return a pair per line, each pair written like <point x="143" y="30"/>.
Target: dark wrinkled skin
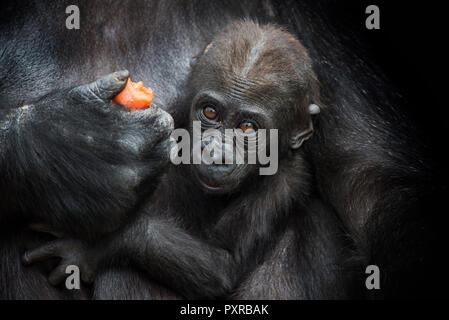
<point x="362" y="164"/>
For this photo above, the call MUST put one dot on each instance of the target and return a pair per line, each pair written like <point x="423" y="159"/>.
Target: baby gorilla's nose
<point x="216" y="150"/>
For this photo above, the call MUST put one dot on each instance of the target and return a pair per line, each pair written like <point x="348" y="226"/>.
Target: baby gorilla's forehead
<point x="249" y="57"/>
<point x="257" y="89"/>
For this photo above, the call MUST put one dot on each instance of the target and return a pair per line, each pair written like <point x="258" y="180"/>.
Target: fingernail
<point x="121" y="75"/>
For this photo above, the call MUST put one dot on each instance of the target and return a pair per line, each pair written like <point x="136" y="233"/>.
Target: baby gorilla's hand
<point x="72" y="252"/>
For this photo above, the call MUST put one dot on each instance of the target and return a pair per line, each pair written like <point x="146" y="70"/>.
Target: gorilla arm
<point x="183" y="261"/>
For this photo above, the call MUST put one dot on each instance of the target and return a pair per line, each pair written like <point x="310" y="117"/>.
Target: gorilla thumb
<point x="103" y="89"/>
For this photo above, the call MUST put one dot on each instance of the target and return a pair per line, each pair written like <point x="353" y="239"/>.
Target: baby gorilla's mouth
<point x="210" y="186"/>
<point x="218" y="179"/>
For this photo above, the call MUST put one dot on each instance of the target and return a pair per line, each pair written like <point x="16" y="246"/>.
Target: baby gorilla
<point x="224" y="230"/>
<point x="251" y="78"/>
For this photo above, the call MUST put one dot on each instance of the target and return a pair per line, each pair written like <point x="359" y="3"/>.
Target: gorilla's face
<point x="249" y="78"/>
<point x="230" y="127"/>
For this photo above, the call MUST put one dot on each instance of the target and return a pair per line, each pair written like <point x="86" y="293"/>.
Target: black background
<point x="410" y="49"/>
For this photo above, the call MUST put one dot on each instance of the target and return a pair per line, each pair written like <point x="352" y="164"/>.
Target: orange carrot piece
<point x="134" y="96"/>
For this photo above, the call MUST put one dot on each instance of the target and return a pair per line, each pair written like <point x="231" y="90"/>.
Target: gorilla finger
<point x="40" y="254"/>
<point x="58" y="275"/>
<point x="43" y="228"/>
<point x="157" y="121"/>
<point x="87" y="277"/>
<point x="103" y="89"/>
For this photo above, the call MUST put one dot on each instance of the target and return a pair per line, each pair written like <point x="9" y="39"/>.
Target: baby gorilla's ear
<point x="299" y="136"/>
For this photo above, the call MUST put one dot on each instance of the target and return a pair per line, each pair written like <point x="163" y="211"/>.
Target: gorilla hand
<point x="80" y="162"/>
<point x="72" y="252"/>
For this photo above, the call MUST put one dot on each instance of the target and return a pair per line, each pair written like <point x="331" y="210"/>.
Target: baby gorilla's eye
<point x="210" y="112"/>
<point x="247" y="125"/>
